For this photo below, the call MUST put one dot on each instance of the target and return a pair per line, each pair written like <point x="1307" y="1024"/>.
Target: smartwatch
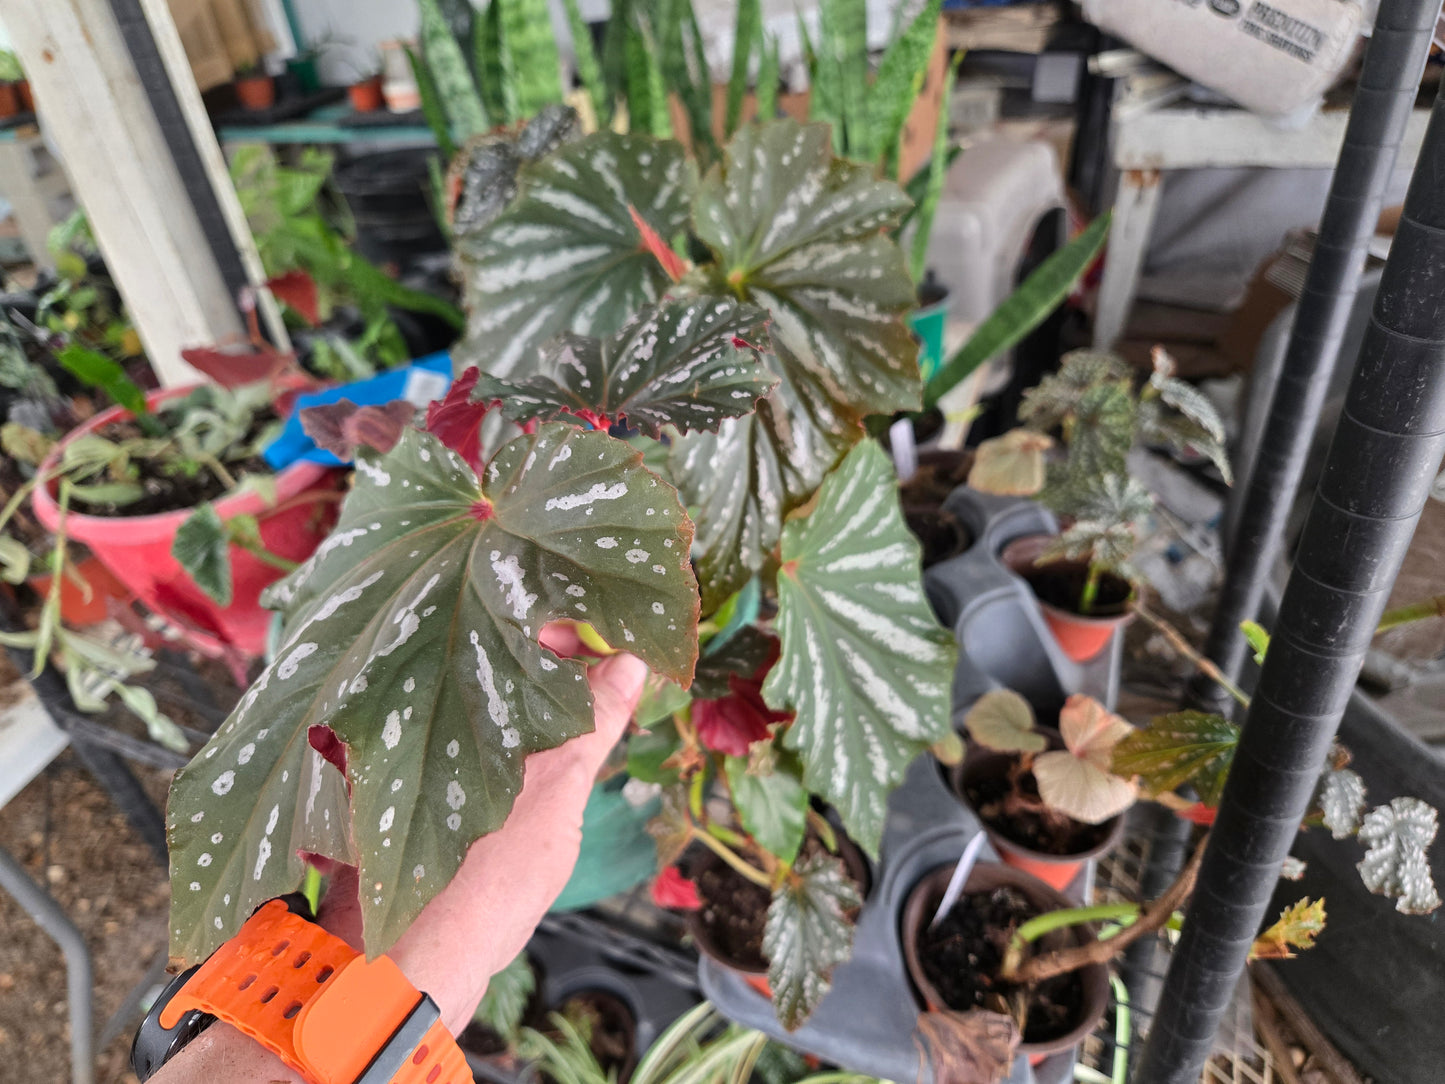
<point x="311" y="999"/>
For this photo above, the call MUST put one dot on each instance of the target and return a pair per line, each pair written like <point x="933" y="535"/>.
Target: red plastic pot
<point x="1080" y="637"/>
<point x="77" y="610"/>
<point x="137" y="549"/>
<point x="922" y="904"/>
<point x="256" y="92"/>
<point x="366" y="95"/>
<point x="1057" y="871"/>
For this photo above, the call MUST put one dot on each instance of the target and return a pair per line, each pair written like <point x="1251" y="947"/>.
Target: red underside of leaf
<point x="342" y="427"/>
<point x="457" y="421"/>
<point x="591" y="417"/>
<point x="672" y="889"/>
<point x="324" y="740"/>
<point x="731" y="724"/>
<point x="298" y="289"/>
<point x="672" y="263"/>
<point x="233" y="369"/>
<point x="481" y="511"/>
<point x="1199" y="813"/>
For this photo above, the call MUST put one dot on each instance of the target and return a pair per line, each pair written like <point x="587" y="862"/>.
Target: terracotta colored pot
<point x="27" y="99"/>
<point x="76" y="609"/>
<point x="256" y="92"/>
<point x="137" y="549"/>
<point x="1055" y="870"/>
<point x="756" y="977"/>
<point x="923" y="902"/>
<point x="366" y="95"/>
<point x="1080" y="637"/>
<point x="9" y="100"/>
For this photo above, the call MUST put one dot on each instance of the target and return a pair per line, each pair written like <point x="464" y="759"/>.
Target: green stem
<point x="1050" y="921"/>
<point x="1090" y="594"/>
<point x="265" y="556"/>
<point x="757" y="876"/>
<point x="1415" y="611"/>
<point x="724" y="834"/>
<point x="819" y="824"/>
<point x="694" y="797"/>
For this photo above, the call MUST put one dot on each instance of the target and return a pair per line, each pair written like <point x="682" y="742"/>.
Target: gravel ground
<point x="72" y="841"/>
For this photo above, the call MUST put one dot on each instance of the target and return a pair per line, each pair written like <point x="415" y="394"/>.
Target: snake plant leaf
<point x="1023" y="310"/>
<point x="747" y="35"/>
<point x="531" y="61"/>
<point x="412" y="635"/>
<point x="809" y="931"/>
<point x="689" y="363"/>
<point x="466" y="115"/>
<point x="1193" y="748"/>
<point x="202" y="547"/>
<point x="770" y="62"/>
<point x="1397" y="863"/>
<point x="900" y="78"/>
<point x="566" y="256"/>
<point x="432" y="109"/>
<point x="864" y="663"/>
<point x="584" y="52"/>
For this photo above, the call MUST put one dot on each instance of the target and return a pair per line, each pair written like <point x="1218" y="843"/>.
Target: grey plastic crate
<point x="867" y="1021"/>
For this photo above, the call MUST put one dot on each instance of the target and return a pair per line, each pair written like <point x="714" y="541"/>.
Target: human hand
<point x="484" y="918"/>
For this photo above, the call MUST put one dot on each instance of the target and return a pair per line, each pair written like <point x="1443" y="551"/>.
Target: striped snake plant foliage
<point x="411" y="643"/>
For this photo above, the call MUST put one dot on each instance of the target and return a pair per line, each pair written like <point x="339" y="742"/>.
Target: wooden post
<point x="96" y="112"/>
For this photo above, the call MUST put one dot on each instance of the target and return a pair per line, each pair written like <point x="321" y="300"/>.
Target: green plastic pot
<point x="927" y="323"/>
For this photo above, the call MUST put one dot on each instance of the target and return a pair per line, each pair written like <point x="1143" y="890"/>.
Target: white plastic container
<point x="1276" y="57"/>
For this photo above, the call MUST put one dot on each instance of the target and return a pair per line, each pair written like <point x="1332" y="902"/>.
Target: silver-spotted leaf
<point x="1398" y="862"/>
<point x="687" y="363"/>
<point x="864" y="663"/>
<point x="567" y="255"/>
<point x="1342" y="801"/>
<point x="809" y="932"/>
<point x="412" y="635"/>
<point x="1193" y="748"/>
<point x="799" y="233"/>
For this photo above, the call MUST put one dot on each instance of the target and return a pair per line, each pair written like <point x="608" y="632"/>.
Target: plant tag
<point x="960" y="875"/>
<point x="905" y="452"/>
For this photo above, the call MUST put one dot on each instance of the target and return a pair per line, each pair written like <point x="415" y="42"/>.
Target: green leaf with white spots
<point x="864" y="663"/>
<point x="567" y="255"/>
<point x="412" y="635"/>
<point x="809" y="932"/>
<point x="1193" y="748"/>
<point x="689" y="363"/>
<point x="797" y="232"/>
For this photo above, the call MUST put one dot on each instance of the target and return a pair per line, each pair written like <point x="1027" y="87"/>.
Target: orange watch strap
<point x="322" y="1007"/>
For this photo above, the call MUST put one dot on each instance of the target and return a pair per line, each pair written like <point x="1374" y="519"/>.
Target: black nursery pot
<point x="1085" y="991"/>
<point x="983" y="769"/>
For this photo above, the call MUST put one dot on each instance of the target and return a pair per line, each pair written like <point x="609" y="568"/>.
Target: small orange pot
<point x="1057" y="871"/>
<point x="9" y="100"/>
<point x="76" y="609"/>
<point x="1080" y="637"/>
<point x="366" y="96"/>
<point x="27" y="100"/>
<point x="923" y="903"/>
<point x="256" y="92"/>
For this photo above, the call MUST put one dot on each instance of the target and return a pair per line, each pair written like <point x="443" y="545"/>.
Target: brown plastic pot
<point x="366" y="96"/>
<point x="757" y="977"/>
<point x="1055" y="870"/>
<point x="256" y="92"/>
<point x="1080" y="637"/>
<point x="9" y="100"/>
<point x="27" y="100"/>
<point x="923" y="901"/>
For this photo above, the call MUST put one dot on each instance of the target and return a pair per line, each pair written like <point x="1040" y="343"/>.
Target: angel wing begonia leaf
<point x="412" y="636"/>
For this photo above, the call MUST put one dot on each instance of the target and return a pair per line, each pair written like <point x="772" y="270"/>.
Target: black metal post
<point x="1389" y="82"/>
<point x="1384" y="456"/>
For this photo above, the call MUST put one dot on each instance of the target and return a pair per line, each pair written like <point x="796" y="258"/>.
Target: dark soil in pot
<point x="610" y="1028"/>
<point x="941" y="534"/>
<point x="1050" y="833"/>
<point x="962" y="954"/>
<point x="1060" y="584"/>
<point x="729" y="925"/>
<point x="171" y="491"/>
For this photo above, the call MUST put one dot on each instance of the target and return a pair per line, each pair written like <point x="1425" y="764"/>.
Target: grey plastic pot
<point x="922" y="904"/>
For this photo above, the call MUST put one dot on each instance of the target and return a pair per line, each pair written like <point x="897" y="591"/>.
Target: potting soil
<point x="1056" y="834"/>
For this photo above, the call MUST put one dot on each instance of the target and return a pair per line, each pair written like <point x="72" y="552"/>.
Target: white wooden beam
<point x="96" y="112"/>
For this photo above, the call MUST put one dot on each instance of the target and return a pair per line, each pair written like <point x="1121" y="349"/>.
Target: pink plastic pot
<point x="137" y="549"/>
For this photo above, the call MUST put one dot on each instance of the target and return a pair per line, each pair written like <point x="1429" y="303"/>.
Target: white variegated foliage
<point x="864" y="663"/>
<point x="1342" y="801"/>
<point x="412" y="635"/>
<point x="567" y="255"/>
<point x="809" y="931"/>
<point x="1397" y="863"/>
